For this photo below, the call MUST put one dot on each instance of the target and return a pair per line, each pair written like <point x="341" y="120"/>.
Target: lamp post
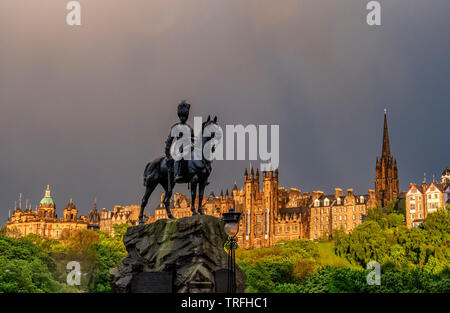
<point x="231" y="220"/>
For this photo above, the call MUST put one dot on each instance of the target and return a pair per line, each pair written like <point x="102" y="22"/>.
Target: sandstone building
<point x="271" y="213"/>
<point x="386" y="172"/>
<point x="425" y="199"/>
<point x="45" y="222"/>
<point x="119" y="215"/>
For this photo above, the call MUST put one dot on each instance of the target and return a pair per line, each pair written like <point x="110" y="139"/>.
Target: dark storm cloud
<point x="83" y="109"/>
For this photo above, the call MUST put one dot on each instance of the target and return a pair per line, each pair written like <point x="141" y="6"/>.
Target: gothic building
<point x="386" y="173"/>
<point x="271" y="213"/>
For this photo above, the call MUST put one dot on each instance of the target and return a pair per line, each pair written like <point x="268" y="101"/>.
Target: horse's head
<point x="210" y="130"/>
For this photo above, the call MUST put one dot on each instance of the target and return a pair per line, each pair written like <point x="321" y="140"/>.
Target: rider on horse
<point x="183" y="114"/>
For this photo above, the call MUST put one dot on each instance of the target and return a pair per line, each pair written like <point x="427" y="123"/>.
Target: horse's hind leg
<point x="201" y="191"/>
<point x="193" y="195"/>
<point x="151" y="185"/>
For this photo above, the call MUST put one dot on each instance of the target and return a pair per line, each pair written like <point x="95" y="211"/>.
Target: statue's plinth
<point x="184" y="255"/>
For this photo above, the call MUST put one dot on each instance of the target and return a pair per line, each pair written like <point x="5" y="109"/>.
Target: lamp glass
<point x="231" y="229"/>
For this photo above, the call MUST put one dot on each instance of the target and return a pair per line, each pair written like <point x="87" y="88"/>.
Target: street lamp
<point x="231" y="220"/>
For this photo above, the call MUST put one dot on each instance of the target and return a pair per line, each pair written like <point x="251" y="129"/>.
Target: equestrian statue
<point x="168" y="171"/>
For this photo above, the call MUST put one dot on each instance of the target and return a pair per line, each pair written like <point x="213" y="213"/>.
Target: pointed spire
<point x="226" y="194"/>
<point x="235" y="186"/>
<point x="386" y="151"/>
<point x="95" y="203"/>
<point x="20" y="201"/>
<point x="246" y="173"/>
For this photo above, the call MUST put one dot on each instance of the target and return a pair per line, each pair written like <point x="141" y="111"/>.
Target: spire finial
<point x="47" y="192"/>
<point x="385" y="111"/>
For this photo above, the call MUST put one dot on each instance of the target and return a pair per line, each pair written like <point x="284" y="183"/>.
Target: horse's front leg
<point x="201" y="191"/>
<point x="193" y="195"/>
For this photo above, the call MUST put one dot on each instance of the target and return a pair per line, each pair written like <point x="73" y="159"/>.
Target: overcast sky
<point x="84" y="108"/>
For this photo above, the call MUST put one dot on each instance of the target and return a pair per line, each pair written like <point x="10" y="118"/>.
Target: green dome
<point x="47" y="200"/>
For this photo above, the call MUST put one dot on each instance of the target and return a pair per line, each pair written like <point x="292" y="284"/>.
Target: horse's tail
<point x="150" y="168"/>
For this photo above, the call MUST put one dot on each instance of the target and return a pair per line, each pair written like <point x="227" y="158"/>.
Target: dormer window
<point x="338" y="200"/>
<point x="361" y="199"/>
<point x="316" y="202"/>
<point x="326" y="202"/>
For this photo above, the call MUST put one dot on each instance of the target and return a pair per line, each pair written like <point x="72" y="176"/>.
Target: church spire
<point x="386" y="173"/>
<point x="386" y="147"/>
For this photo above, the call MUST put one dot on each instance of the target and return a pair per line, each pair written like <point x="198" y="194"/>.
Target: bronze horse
<point x="196" y="174"/>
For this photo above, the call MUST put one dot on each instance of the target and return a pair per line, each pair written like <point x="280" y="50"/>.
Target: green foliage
<point x="33" y="264"/>
<point x="412" y="260"/>
<point x="24" y="267"/>
<point x="344" y="280"/>
<point x="425" y="247"/>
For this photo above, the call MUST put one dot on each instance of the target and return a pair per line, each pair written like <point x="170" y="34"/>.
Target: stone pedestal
<point x="186" y="253"/>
